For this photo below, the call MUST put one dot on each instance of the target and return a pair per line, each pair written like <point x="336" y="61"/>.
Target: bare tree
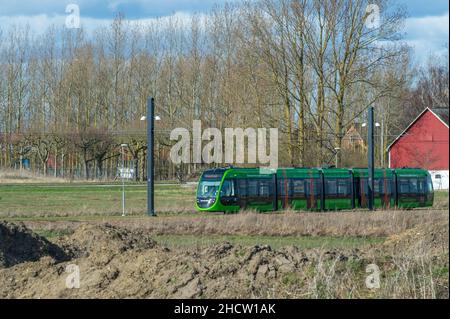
<point x="41" y="144"/>
<point x="94" y="145"/>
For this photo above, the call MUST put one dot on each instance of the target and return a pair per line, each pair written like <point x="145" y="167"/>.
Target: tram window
<point x="403" y="185"/>
<point x="413" y="187"/>
<point x="252" y="188"/>
<point x="389" y="183"/>
<point x="299" y="188"/>
<point x="227" y="188"/>
<point x="422" y="185"/>
<point x="331" y="186"/>
<point x="242" y="187"/>
<point x="429" y="185"/>
<point x="282" y="183"/>
<point x="316" y="186"/>
<point x="382" y="186"/>
<point x="364" y="186"/>
<point x="376" y="188"/>
<point x="343" y="187"/>
<point x="264" y="188"/>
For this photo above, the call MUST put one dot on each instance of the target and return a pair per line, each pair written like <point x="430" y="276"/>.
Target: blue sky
<point x="426" y="27"/>
<point x="105" y="9"/>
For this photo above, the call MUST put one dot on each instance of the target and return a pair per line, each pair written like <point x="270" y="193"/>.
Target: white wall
<point x="439" y="183"/>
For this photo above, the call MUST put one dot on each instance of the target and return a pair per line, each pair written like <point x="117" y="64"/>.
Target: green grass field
<point x="29" y="200"/>
<point x="68" y="200"/>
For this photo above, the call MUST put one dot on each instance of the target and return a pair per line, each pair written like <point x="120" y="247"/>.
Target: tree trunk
<point x="136" y="167"/>
<point x="100" y="169"/>
<point x="56" y="162"/>
<point x="86" y="170"/>
<point x="339" y="132"/>
<point x="301" y="136"/>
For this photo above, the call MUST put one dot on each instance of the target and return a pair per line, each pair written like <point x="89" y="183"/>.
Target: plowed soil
<point x="116" y="262"/>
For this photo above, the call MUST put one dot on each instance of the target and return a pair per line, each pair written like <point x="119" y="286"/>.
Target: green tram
<point x="314" y="189"/>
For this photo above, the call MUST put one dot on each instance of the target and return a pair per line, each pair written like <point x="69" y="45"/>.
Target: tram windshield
<point x="209" y="185"/>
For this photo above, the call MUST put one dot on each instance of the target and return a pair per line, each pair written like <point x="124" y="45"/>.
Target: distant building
<point x="353" y="141"/>
<point x="425" y="143"/>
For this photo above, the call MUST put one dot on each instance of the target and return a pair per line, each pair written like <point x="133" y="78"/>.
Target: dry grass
<point x="404" y="278"/>
<point x="12" y="177"/>
<point x="378" y="224"/>
<point x="441" y="199"/>
<point x="26" y="177"/>
<point x="372" y="224"/>
<point x="415" y="267"/>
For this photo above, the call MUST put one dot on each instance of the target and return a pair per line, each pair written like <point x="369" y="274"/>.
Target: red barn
<point x="424" y="143"/>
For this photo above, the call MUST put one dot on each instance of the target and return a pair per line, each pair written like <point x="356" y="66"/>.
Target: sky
<point x="426" y="28"/>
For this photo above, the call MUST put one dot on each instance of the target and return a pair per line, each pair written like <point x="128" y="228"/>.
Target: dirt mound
<point x="89" y="240"/>
<point x="118" y="263"/>
<point x="427" y="238"/>
<point x="19" y="244"/>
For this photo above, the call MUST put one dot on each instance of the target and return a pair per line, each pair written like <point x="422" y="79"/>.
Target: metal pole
<point x="56" y="161"/>
<point x="275" y="195"/>
<point x="21" y="160"/>
<point x="382" y="143"/>
<point x="123" y="181"/>
<point x="371" y="182"/>
<point x="62" y="165"/>
<point x="150" y="152"/>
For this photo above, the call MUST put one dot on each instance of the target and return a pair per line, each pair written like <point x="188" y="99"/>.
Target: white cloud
<point x="40" y="23"/>
<point x="49" y="7"/>
<point x="427" y="35"/>
<point x="103" y="9"/>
